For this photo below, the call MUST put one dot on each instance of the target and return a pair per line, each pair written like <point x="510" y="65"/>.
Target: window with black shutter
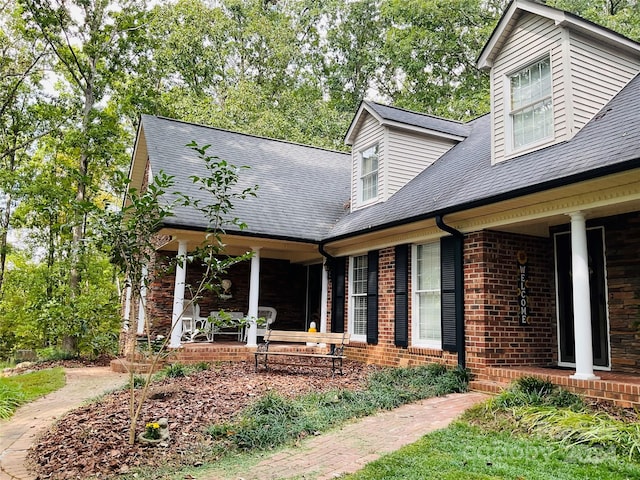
<point x="401" y="304"/>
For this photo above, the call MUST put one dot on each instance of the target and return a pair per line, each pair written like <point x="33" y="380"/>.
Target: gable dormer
<point x="390" y="146"/>
<point x="551" y="72"/>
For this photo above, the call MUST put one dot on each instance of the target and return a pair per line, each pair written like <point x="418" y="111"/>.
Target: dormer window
<point x="531" y="109"/>
<point x="369" y="174"/>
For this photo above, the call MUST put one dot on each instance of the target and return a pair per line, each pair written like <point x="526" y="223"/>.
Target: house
<point x="505" y="244"/>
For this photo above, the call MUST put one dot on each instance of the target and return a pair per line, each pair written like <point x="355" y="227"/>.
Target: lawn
<point x="21" y="389"/>
<point x="463" y="451"/>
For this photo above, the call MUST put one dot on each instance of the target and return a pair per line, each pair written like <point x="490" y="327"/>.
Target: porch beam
<point x="581" y="298"/>
<point x="254" y="295"/>
<point x="178" y="295"/>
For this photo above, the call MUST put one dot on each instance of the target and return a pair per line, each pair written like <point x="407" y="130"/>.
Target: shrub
<point x="10" y="399"/>
<point x="175" y="370"/>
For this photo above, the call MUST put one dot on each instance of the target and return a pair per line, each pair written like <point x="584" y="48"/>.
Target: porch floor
<point x="622" y="389"/>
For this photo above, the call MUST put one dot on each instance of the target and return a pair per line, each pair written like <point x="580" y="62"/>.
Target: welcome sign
<point x="523" y="288"/>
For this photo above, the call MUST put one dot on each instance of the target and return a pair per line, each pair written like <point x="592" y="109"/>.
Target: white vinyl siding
<point x="586" y="74"/>
<point x="426" y="324"/>
<point x="370" y="133"/>
<point x="358" y="268"/>
<point x="533" y="37"/>
<point x="598" y="73"/>
<point x="409" y="154"/>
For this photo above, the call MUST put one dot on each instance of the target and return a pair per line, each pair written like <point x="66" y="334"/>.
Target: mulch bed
<point x="92" y="441"/>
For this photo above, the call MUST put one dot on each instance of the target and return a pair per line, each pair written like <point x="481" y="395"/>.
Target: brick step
<point x="487" y="386"/>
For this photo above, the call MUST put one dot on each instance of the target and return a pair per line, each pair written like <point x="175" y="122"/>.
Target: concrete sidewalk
<point x="348" y="449"/>
<point x="18" y="433"/>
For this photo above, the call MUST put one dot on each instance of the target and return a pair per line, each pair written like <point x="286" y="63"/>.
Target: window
<point x="358" y="297"/>
<point x="426" y="322"/>
<point x="369" y="174"/>
<point x="531" y="107"/>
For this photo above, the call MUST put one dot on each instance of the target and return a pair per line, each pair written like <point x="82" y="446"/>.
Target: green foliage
<point x="136" y="381"/>
<point x="527" y="391"/>
<point x="175" y="370"/>
<point x="274" y="419"/>
<point x="20" y="389"/>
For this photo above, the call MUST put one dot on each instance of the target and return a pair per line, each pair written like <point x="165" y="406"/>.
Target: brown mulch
<point x="92" y="441"/>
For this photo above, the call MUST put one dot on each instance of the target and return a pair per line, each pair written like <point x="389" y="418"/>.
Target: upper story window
<point x="369" y="174"/>
<point x="531" y="109"/>
<point x="426" y="319"/>
<point x="358" y="301"/>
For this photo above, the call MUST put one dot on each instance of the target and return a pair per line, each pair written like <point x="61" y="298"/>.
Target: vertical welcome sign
<point x="523" y="288"/>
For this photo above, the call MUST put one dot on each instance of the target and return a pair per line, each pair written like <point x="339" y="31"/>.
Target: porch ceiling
<point x="295" y="252"/>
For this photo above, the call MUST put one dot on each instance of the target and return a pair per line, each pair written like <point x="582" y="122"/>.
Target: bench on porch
<point x="335" y="354"/>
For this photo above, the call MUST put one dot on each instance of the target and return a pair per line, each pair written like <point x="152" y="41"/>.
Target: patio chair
<point x="191" y="323"/>
<point x="269" y="314"/>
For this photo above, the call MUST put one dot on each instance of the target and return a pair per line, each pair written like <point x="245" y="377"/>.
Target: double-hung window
<point x="358" y="297"/>
<point x="426" y="318"/>
<point x="531" y="108"/>
<point x="369" y="174"/>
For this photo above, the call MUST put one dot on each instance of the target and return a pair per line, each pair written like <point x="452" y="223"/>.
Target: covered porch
<point x="283" y="282"/>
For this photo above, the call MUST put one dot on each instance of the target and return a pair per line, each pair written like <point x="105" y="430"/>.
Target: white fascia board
<point x="351" y="134"/>
<point x="422" y="130"/>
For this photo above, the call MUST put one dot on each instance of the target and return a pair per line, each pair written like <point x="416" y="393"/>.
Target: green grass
<point x="462" y="451"/>
<point x="21" y="389"/>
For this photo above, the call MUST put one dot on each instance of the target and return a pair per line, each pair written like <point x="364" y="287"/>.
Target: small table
<point x="237" y="330"/>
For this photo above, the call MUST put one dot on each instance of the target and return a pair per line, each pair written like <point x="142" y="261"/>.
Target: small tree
<point x="130" y="235"/>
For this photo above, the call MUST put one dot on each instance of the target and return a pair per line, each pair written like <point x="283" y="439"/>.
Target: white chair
<point x="269" y="314"/>
<point x="237" y="330"/>
<point x="191" y="323"/>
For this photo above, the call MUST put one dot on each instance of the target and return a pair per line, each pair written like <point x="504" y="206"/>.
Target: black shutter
<point x="401" y="328"/>
<point x="452" y="295"/>
<point x="372" y="297"/>
<point x="337" y="297"/>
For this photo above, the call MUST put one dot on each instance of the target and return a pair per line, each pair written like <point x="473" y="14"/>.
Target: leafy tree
<point x="622" y="16"/>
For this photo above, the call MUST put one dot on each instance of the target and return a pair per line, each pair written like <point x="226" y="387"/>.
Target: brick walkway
<point x="18" y="433"/>
<point x="349" y="448"/>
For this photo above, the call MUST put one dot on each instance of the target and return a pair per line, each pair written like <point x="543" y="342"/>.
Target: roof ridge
<point x="202" y="125"/>
<point x="437" y="117"/>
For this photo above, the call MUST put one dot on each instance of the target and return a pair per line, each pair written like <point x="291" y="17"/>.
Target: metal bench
<point x="337" y="341"/>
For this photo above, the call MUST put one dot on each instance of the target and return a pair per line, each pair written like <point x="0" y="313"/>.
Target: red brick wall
<point x="622" y="243"/>
<point x="385" y="352"/>
<point x="492" y="330"/>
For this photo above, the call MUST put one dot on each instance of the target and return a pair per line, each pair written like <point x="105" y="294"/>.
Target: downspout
<point x="459" y="288"/>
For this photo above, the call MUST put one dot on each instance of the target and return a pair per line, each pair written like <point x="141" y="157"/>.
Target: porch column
<point x="178" y="295"/>
<point x="142" y="314"/>
<point x="127" y="308"/>
<point x="254" y="292"/>
<point x="581" y="298"/>
<point x="324" y="295"/>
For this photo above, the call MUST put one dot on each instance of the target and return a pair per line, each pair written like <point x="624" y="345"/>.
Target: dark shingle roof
<point x="302" y="189"/>
<point x="421" y="120"/>
<point x="464" y="177"/>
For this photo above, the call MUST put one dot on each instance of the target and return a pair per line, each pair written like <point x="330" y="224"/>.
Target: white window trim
<point x="415" y="307"/>
<point x="510" y="151"/>
<point x="359" y="192"/>
<point x="350" y="323"/>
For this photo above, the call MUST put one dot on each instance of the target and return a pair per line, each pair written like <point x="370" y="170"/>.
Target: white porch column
<point x="581" y="298"/>
<point x="178" y="295"/>
<point x="142" y="316"/>
<point x="324" y="296"/>
<point x="127" y="308"/>
<point x="254" y="292"/>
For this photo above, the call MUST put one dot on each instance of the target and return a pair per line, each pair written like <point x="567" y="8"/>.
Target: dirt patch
<point x="92" y="441"/>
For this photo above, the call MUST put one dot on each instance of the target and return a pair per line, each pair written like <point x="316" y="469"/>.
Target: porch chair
<point x="213" y="330"/>
<point x="193" y="325"/>
<point x="269" y="314"/>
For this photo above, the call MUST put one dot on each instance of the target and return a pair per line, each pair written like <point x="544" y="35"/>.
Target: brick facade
<point x="493" y="333"/>
<point x="622" y="244"/>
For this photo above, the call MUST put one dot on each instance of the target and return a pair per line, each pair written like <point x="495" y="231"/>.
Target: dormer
<point x="551" y="72"/>
<point x="390" y="146"/>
